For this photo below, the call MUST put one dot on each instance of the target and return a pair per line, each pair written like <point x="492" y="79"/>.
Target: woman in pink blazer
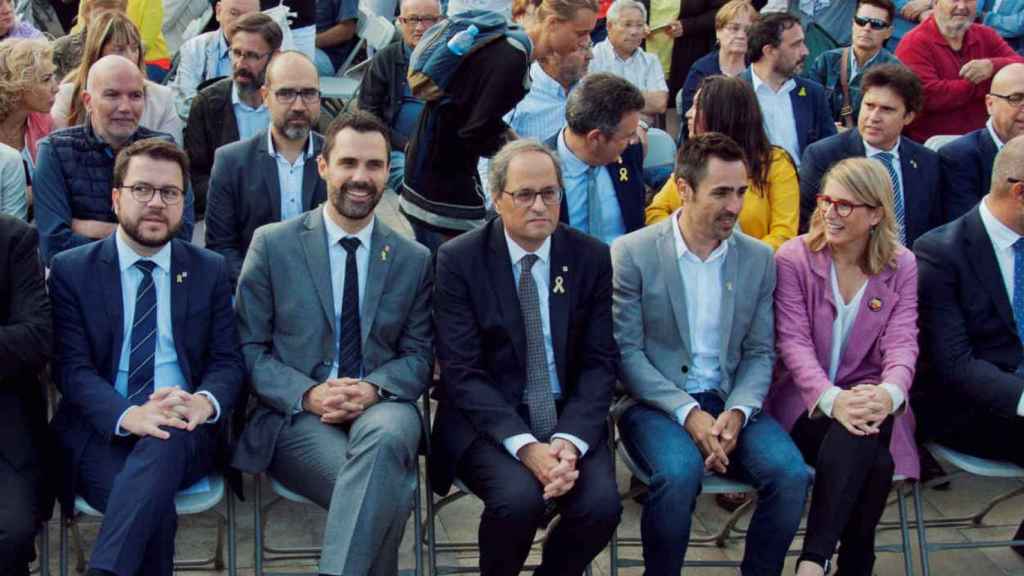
<point x="846" y="328"/>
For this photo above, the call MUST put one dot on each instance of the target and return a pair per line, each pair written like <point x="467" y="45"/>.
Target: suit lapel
<point x="268" y="165"/>
<point x="382" y="254"/>
<point x="728" y="305"/>
<point x="110" y="289"/>
<point x="673" y="282"/>
<point x="180" y="287"/>
<point x="909" y="177"/>
<point x="983" y="259"/>
<point x="314" y="246"/>
<point x="499" y="268"/>
<point x="988" y="153"/>
<point x="559" y="301"/>
<point x="802" y="113"/>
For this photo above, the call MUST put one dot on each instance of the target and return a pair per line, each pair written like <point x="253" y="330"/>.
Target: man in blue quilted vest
<point x="75" y="166"/>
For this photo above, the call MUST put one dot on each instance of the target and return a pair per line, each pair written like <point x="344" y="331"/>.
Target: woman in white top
<point x="113" y="33"/>
<point x="846" y="332"/>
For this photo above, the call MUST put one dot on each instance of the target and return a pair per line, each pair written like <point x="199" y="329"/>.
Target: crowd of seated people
<point x="814" y="293"/>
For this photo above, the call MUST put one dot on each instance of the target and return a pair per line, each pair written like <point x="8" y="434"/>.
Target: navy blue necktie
<point x="1018" y="286"/>
<point x="143" y="350"/>
<point x="886" y="158"/>
<point x="350" y="348"/>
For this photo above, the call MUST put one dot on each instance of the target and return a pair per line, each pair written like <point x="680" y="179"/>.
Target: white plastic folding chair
<point x="661" y="150"/>
<point x="375" y="32"/>
<point x="940" y="140"/>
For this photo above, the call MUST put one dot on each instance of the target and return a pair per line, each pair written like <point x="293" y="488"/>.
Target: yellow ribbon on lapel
<point x="559" y="285"/>
<point x="623" y="175"/>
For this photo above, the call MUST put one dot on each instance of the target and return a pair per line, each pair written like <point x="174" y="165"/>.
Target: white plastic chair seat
<point x="287" y="494"/>
<point x="939" y="140"/>
<point x="661" y="149"/>
<point x="341" y="87"/>
<point x="184" y="504"/>
<point x="376" y="30"/>
<point x="975" y="465"/>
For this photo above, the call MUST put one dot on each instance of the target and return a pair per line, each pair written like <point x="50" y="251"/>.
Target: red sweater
<point x="952" y="105"/>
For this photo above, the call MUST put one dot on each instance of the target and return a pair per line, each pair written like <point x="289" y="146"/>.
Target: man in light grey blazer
<point x="692" y="305"/>
<point x="334" y="318"/>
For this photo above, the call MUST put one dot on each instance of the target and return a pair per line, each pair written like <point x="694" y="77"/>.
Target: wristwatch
<point x="645" y="125"/>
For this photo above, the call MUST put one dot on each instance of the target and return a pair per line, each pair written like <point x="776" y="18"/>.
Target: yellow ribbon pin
<point x="384" y="253"/>
<point x="559" y="285"/>
<point x="623" y="175"/>
<point x="803" y="91"/>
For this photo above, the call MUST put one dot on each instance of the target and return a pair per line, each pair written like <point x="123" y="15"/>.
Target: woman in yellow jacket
<point x="771" y="206"/>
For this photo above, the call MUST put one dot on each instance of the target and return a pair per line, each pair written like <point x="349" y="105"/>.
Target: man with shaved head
<point x="967" y="161"/>
<point x="75" y="166"/>
<point x="971" y="310"/>
<point x="271" y="176"/>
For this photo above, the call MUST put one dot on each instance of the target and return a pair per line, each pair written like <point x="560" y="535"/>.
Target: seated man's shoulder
<point x="201" y="256"/>
<point x="217" y="91"/>
<point x="415" y="251"/>
<point x="752" y="250"/>
<point x="920" y="152"/>
<point x="583" y="246"/>
<point x="945" y="241"/>
<point x="965" y="145"/>
<point x="72" y="260"/>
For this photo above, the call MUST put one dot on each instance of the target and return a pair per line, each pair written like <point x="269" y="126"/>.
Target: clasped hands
<point x="553" y="464"/>
<point x="862" y="409"/>
<point x="167" y="407"/>
<point x="340" y="400"/>
<point x="715" y="437"/>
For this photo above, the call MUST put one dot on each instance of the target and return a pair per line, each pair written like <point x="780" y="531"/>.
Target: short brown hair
<point x="359" y="120"/>
<point x="732" y="10"/>
<point x="692" y="159"/>
<point x="767" y="31"/>
<point x="153" y="148"/>
<point x="887" y="5"/>
<point x="259" y="23"/>
<point x="563" y="9"/>
<point x="897" y="78"/>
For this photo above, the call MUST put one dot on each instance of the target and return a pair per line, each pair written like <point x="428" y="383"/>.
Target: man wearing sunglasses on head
<point x="840" y="70"/>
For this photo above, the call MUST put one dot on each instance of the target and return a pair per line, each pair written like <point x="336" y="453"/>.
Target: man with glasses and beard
<point x="231" y="109"/>
<point x="334" y="315"/>
<point x="271" y="176"/>
<point x="147" y="363"/>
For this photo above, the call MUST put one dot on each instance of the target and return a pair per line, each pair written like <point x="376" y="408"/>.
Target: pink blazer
<point x="882" y="346"/>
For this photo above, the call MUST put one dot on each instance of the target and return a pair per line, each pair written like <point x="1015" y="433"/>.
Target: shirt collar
<point x="994" y="135"/>
<point x="273" y="151"/>
<point x="516" y="252"/>
<point x="336" y="233"/>
<point x="236" y="101"/>
<point x="543" y="82"/>
<point x="222" y="44"/>
<point x="1000" y="234"/>
<point x="870" y="151"/>
<point x="571" y="164"/>
<point x="127" y="257"/>
<point x="606" y="46"/>
<point x="682" y="249"/>
<point x="787" y="86"/>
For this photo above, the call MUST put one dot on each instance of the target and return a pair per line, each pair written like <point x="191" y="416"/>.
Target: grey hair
<point x="497" y="173"/>
<point x="599" y="102"/>
<point x="619" y="5"/>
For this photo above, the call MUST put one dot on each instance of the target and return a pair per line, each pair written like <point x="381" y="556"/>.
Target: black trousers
<point x="853" y="475"/>
<point x="514" y="508"/>
<point x="987" y="435"/>
<point x="18" y="517"/>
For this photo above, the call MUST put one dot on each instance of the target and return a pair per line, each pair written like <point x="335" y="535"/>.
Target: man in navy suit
<point x="891" y="98"/>
<point x="147" y="360"/>
<point x="522" y="308"/>
<point x="971" y="307"/>
<point x="602" y="160"/>
<point x="967" y="160"/>
<point x="795" y="109"/>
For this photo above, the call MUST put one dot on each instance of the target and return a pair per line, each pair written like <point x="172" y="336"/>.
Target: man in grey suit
<point x="334" y="319"/>
<point x="692" y="306"/>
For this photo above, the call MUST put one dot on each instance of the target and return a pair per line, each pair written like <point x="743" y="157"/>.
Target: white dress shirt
<point x="290" y="176"/>
<point x="641" y="69"/>
<point x="338" y="257"/>
<point x="995" y="137"/>
<point x="541" y="272"/>
<point x="1002" y="238"/>
<point x="777" y="109"/>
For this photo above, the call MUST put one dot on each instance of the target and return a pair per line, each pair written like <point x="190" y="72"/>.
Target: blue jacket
<point x="73" y="179"/>
<point x="706" y="66"/>
<point x="1008" y="21"/>
<point x="967" y="162"/>
<point x="810" y="107"/>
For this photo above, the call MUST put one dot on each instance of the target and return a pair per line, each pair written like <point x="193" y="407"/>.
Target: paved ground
<point x="302" y="525"/>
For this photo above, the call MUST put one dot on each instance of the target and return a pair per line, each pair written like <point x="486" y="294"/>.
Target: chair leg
<point x="76" y="535"/>
<point x="417" y="548"/>
<point x="258" y="527"/>
<point x="44" y="550"/>
<point x="613" y="553"/>
<point x="232" y="537"/>
<point x="908" y="560"/>
<point x="922" y="538"/>
<point x="218" y="551"/>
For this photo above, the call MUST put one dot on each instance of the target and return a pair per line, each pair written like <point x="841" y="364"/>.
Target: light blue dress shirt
<point x="166" y="369"/>
<point x="290" y="176"/>
<point x="251" y="121"/>
<point x="541" y="272"/>
<point x="574" y="175"/>
<point x="338" y="257"/>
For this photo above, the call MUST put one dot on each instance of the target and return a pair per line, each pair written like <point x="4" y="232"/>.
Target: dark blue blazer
<point x="923" y="184"/>
<point x="85" y="287"/>
<point x="967" y="162"/>
<point x="628" y="178"/>
<point x="810" y="107"/>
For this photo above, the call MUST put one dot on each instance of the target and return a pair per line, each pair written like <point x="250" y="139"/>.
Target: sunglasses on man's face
<point x="875" y="23"/>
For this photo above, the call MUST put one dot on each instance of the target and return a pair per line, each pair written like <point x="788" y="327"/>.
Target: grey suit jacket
<point x="285" y="309"/>
<point x="653" y="331"/>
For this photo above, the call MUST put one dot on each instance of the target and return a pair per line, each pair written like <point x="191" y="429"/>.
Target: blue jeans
<point x="764" y="457"/>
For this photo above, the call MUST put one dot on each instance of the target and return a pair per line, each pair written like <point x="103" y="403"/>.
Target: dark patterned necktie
<point x="898" y="206"/>
<point x="350" y="348"/>
<point x="539" y="398"/>
<point x="143" y="351"/>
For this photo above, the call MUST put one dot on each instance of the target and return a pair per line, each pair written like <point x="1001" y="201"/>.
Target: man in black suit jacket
<point x="522" y="307"/>
<point x="26" y="332"/>
<point x="972" y="322"/>
<point x="148" y="363"/>
<point x="967" y="161"/>
<point x="271" y="176"/>
<point x="891" y="98"/>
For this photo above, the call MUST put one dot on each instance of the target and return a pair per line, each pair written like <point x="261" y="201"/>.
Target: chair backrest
<point x="661" y="150"/>
<point x="940" y="140"/>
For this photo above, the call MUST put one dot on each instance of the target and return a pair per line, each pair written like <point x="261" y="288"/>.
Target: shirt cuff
<point x="117" y="427"/>
<point x="216" y="406"/>
<point x="827" y="400"/>
<point x="578" y="443"/>
<point x="747" y="412"/>
<point x="896" y="394"/>
<point x="513" y="443"/>
<point x="683" y="412"/>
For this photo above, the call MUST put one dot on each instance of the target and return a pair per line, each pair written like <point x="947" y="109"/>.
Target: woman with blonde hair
<point x="113" y="33"/>
<point x="67" y="50"/>
<point x="846" y="333"/>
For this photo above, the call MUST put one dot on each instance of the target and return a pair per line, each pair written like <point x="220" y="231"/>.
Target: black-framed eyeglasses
<point x="143" y="193"/>
<point x="247" y="56"/>
<point x="526" y="198"/>
<point x="875" y="23"/>
<point x="417" y="20"/>
<point x="1015" y="99"/>
<point x="288" y="95"/>
<point x="842" y="207"/>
